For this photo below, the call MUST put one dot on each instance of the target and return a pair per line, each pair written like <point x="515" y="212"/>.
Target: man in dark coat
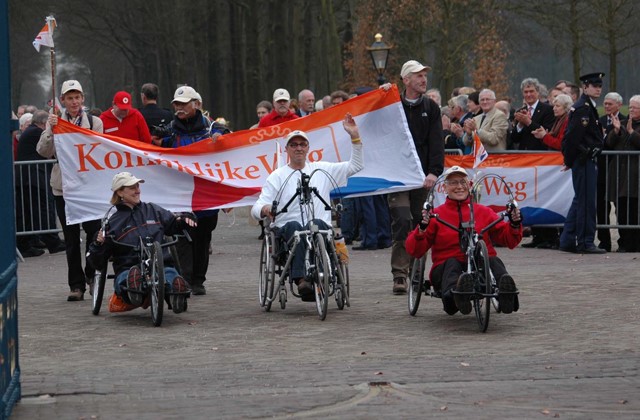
<point x="583" y="141"/>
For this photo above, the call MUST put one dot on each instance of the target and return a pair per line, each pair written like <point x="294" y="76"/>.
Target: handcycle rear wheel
<point x="156" y="272"/>
<point x="267" y="273"/>
<point x="99" y="280"/>
<point x="322" y="275"/>
<point x="416" y="284"/>
<point x="484" y="289"/>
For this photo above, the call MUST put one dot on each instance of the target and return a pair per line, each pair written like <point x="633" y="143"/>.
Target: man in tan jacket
<point x="72" y="99"/>
<point x="491" y="125"/>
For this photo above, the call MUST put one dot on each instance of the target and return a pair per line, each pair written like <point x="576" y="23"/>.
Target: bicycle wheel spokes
<point x="484" y="289"/>
<point x="267" y="273"/>
<point x="416" y="284"/>
<point x="322" y="275"/>
<point x="99" y="280"/>
<point x="156" y="272"/>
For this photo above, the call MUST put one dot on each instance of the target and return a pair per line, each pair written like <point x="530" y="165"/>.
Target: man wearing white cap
<point x="280" y="112"/>
<point x="189" y="126"/>
<point x="448" y="259"/>
<point x="282" y="184"/>
<point x="425" y="124"/>
<point x="72" y="99"/>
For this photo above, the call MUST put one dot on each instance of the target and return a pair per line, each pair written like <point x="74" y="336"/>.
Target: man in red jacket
<point x="449" y="260"/>
<point x="281" y="111"/>
<point x="122" y="120"/>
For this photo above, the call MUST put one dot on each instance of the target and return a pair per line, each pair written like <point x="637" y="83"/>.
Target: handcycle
<point x="324" y="267"/>
<point x="152" y="274"/>
<point x="472" y="244"/>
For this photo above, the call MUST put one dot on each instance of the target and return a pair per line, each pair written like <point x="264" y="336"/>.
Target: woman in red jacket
<point x="449" y="260"/>
<point x="553" y="139"/>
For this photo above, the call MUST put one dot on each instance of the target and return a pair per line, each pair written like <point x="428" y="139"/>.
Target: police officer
<point x="583" y="142"/>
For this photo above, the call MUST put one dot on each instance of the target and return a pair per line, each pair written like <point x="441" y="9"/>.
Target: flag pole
<point x="51" y="21"/>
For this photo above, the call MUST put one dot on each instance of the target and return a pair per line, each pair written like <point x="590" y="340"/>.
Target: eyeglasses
<point x="457" y="183"/>
<point x="294" y="145"/>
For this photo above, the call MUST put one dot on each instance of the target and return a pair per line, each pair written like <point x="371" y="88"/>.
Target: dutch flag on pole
<point x="479" y="153"/>
<point x="45" y="37"/>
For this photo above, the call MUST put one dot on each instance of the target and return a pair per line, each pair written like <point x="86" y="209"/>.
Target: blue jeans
<point x="170" y="273"/>
<point x="375" y="222"/>
<point x="580" y="225"/>
<point x="286" y="232"/>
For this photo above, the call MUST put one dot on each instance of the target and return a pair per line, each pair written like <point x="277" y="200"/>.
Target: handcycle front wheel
<point x="322" y="275"/>
<point x="156" y="273"/>
<point x="416" y="284"/>
<point x="267" y="273"/>
<point x="99" y="280"/>
<point x="484" y="289"/>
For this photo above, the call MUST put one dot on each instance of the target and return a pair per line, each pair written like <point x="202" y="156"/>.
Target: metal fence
<point x="35" y="207"/>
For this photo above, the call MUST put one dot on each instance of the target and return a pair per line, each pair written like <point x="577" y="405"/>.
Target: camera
<point x="160" y="131"/>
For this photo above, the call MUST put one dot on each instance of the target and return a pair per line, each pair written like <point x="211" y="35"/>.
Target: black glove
<point x="423" y="225"/>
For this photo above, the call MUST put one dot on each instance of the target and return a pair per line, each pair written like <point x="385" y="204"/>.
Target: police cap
<point x="592" y="78"/>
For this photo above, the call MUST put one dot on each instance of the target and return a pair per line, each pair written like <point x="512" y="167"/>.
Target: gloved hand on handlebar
<point x="515" y="217"/>
<point x="189" y="219"/>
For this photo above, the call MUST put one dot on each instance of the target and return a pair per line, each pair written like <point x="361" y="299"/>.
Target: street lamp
<point x="379" y="54"/>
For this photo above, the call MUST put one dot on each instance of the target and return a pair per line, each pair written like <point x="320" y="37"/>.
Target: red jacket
<point x="133" y="126"/>
<point x="274" y="118"/>
<point x="444" y="242"/>
<point x="555" y="143"/>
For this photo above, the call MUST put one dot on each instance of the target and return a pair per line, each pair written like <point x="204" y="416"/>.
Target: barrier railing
<point x="35" y="208"/>
<point x="621" y="187"/>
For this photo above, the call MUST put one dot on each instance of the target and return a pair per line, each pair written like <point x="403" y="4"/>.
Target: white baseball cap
<point x="281" y="94"/>
<point x="185" y="94"/>
<point x="455" y="170"/>
<point x="297" y="133"/>
<point x="71" y="85"/>
<point x="124" y="179"/>
<point x="412" y="66"/>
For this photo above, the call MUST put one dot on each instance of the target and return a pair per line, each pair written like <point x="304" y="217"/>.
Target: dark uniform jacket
<point x="425" y="124"/>
<point x="584" y="132"/>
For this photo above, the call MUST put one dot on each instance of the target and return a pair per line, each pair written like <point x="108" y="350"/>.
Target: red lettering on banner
<point x="249" y="173"/>
<point x="315" y="155"/>
<point x="518" y="189"/>
<point x="85" y="158"/>
<point x="265" y="164"/>
<point x="111" y="164"/>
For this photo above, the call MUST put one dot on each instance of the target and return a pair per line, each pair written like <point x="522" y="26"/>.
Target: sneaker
<point x="75" y="295"/>
<point x="305" y="290"/>
<point x="178" y="295"/>
<point x="198" y="290"/>
<point x="134" y="284"/>
<point x="506" y="293"/>
<point x="463" y="301"/>
<point x="399" y="286"/>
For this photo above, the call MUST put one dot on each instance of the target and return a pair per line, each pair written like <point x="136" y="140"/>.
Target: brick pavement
<point x="570" y="352"/>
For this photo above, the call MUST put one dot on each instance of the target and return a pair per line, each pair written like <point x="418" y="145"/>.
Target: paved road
<point x="571" y="352"/>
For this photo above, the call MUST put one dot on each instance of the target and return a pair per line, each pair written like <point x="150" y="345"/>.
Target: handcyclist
<point x="132" y="220"/>
<point x="449" y="260"/>
<point x="282" y="183"/>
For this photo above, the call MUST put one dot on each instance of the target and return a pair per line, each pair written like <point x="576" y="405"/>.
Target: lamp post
<point x="379" y="54"/>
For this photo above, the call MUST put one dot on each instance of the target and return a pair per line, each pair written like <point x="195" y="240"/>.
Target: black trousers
<point x="76" y="275"/>
<point x="194" y="255"/>
<point x="444" y="277"/>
